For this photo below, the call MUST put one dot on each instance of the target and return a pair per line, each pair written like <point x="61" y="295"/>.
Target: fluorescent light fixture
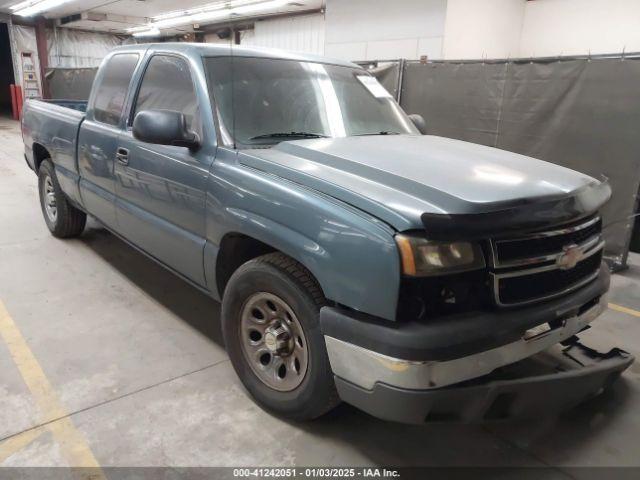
<point x="33" y="7"/>
<point x="150" y="32"/>
<point x="258" y="7"/>
<point x="184" y="20"/>
<point x="205" y="8"/>
<point x="208" y="13"/>
<point x="141" y="28"/>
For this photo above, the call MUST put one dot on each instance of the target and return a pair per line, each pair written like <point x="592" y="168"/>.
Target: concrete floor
<point x="134" y="371"/>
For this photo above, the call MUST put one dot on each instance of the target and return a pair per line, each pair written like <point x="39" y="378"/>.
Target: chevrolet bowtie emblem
<point x="571" y="255"/>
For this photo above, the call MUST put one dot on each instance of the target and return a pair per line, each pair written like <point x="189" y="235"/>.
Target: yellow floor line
<point x="17" y="443"/>
<point x="72" y="443"/>
<point x="620" y="308"/>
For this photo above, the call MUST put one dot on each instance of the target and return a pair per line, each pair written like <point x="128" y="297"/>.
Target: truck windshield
<point x="265" y="101"/>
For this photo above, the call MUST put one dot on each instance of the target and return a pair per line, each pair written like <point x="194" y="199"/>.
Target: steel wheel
<point x="49" y="199"/>
<point x="271" y="327"/>
<point x="273" y="342"/>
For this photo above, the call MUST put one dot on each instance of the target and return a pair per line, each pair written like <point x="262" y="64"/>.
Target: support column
<point x="43" y="53"/>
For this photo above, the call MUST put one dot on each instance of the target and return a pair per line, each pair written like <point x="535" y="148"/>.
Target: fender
<point x="353" y="256"/>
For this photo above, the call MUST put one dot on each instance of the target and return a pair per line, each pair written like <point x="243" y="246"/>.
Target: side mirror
<point x="419" y="122"/>
<point x="164" y="127"/>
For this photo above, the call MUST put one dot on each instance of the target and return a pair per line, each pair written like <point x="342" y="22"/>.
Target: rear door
<point x="98" y="137"/>
<point x="161" y="189"/>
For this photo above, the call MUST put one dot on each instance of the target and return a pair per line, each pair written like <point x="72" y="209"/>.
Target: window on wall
<point x="112" y="89"/>
<point x="167" y="85"/>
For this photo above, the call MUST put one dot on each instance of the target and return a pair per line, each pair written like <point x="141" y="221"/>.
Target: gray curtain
<point x="70" y="83"/>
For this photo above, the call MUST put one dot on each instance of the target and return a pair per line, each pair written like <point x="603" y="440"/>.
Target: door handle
<point x="122" y="155"/>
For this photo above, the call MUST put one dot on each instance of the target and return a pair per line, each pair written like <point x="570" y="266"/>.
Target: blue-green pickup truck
<point x="357" y="258"/>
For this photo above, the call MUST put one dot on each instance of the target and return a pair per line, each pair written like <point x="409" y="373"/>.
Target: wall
<point x="456" y="29"/>
<point x="304" y="33"/>
<point x="483" y="29"/>
<point x="540" y="28"/>
<point x="383" y="29"/>
<point x="67" y="48"/>
<point x="575" y="27"/>
<point x="25" y="42"/>
<point x="76" y="49"/>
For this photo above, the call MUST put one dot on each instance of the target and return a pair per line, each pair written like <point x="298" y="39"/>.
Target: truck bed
<point x="79" y="105"/>
<point x="54" y="125"/>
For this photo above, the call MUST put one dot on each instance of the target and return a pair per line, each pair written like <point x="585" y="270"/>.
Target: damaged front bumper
<point x="498" y="365"/>
<point x="547" y="383"/>
<point x="366" y="368"/>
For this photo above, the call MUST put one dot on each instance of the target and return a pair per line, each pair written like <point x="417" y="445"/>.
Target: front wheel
<point x="270" y="322"/>
<point x="63" y="219"/>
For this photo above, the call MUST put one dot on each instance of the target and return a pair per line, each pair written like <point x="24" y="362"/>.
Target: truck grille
<point x="521" y="289"/>
<point x="548" y="264"/>
<point x="537" y="247"/>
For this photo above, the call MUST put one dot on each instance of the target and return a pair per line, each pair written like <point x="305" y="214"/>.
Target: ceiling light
<point x="205" y="8"/>
<point x="210" y="12"/>
<point x="199" y="17"/>
<point x="33" y="7"/>
<point x="151" y="32"/>
<point x="141" y="28"/>
<point x="258" y="6"/>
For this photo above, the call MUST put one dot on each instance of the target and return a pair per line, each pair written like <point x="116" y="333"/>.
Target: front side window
<point x="167" y="85"/>
<point x="112" y="90"/>
<point x="266" y="100"/>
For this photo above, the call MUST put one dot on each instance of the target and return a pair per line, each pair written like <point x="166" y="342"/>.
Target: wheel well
<point x="235" y="250"/>
<point x="40" y="154"/>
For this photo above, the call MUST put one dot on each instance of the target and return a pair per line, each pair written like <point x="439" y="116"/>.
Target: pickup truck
<point x="356" y="258"/>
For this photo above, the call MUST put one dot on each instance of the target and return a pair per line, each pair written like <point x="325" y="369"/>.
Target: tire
<point x="275" y="277"/>
<point x="63" y="219"/>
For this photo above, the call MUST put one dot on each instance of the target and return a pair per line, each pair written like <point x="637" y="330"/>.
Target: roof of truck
<point x="216" y="50"/>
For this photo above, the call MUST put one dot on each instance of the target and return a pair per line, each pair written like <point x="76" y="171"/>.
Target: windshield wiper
<point x="377" y="133"/>
<point x="288" y="135"/>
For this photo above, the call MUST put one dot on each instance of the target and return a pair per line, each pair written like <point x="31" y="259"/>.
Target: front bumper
<point x="412" y="372"/>
<point x="546" y="384"/>
<point x="366" y="368"/>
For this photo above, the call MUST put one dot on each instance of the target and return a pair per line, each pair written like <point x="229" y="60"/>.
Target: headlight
<point x="422" y="257"/>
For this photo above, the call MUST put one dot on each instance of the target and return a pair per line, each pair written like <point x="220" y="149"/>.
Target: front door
<point x="160" y="189"/>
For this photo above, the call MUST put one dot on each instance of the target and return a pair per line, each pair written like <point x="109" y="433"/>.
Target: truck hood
<point x="411" y="181"/>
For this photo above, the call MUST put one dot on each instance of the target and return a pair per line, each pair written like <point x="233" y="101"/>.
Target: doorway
<point x="6" y="71"/>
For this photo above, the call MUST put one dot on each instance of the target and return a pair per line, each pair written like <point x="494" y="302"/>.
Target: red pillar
<point x="19" y="101"/>
<point x="43" y="53"/>
<point x="14" y="102"/>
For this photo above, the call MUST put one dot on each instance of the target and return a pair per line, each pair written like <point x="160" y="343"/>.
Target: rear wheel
<point x="63" y="219"/>
<point x="270" y="315"/>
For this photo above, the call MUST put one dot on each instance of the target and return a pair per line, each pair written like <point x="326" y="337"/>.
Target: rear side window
<point x="167" y="85"/>
<point x="111" y="93"/>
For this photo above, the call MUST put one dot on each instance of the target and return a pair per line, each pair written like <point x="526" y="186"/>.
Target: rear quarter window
<point x="111" y="92"/>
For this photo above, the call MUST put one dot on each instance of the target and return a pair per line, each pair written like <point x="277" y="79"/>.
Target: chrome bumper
<point x="365" y="368"/>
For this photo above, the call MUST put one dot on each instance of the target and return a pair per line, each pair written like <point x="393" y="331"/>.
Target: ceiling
<point x="116" y="16"/>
